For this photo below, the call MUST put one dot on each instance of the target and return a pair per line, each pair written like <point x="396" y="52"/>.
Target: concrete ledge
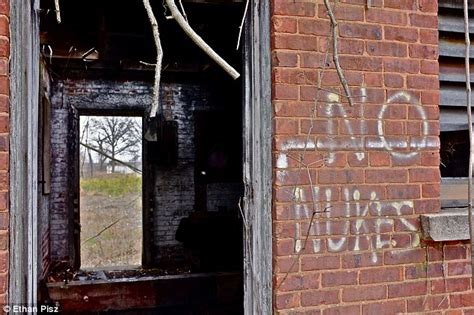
<point x="452" y="225"/>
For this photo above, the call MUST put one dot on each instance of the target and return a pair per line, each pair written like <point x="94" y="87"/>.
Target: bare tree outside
<point x="110" y="191"/>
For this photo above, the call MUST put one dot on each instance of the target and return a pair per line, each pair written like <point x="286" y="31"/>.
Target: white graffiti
<point x="403" y="148"/>
<point x="357" y="223"/>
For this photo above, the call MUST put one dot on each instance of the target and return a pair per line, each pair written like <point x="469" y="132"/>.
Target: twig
<point x="335" y="55"/>
<point x="159" y="58"/>
<point x="133" y="168"/>
<point x="469" y="119"/>
<point x="244" y="218"/>
<point x="302" y="248"/>
<point x="58" y="11"/>
<point x="182" y="10"/>
<point x="199" y="41"/>
<point x="103" y="230"/>
<point x="241" y="27"/>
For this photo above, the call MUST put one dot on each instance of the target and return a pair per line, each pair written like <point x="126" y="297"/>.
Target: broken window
<point x="454" y="135"/>
<point x="110" y="191"/>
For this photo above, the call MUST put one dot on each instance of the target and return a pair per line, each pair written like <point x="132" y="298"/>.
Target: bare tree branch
<point x="241" y="27"/>
<point x="133" y="168"/>
<point x="182" y="10"/>
<point x="199" y="41"/>
<point x="159" y="58"/>
<point x="335" y="55"/>
<point x="58" y="11"/>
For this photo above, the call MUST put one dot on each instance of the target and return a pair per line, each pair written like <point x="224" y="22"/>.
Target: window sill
<point x="452" y="225"/>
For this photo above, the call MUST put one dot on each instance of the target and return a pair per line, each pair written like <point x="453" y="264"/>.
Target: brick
<point x="401" y="4"/>
<point x="462" y="300"/>
<point x="345" y="46"/>
<point x="386" y="176"/>
<point x="378" y="275"/>
<point x="283" y="7"/>
<point x="430" y="158"/>
<point x="462" y="268"/>
<point x="429" y="67"/>
<point x="401" y="66"/>
<point x="286" y="264"/>
<point x="387" y="49"/>
<point x="403" y="192"/>
<point x="343" y="13"/>
<point x="363" y="31"/>
<point x="361" y="260"/>
<point x="373" y="79"/>
<point x="425" y="21"/>
<point x="427" y="206"/>
<point x="453" y="285"/>
<point x="284" y="25"/>
<point x="386" y="17"/>
<point x="286" y="301"/>
<point x="284" y="59"/>
<point x="340" y="176"/>
<point x="309" y="263"/>
<point x="285" y="92"/>
<point x="340" y="310"/>
<point x="407" y="289"/>
<point x="384" y="308"/>
<point x="423" y="51"/>
<point x="293" y="109"/>
<point x="430" y="190"/>
<point x="397" y="257"/>
<point x="332" y="279"/>
<point x="429" y="36"/>
<point x="361" y="63"/>
<point x="421" y="271"/>
<point x="393" y="80"/>
<point x="425" y="175"/>
<point x="313" y="27"/>
<point x="318" y="126"/>
<point x="364" y="293"/>
<point x="316" y="298"/>
<point x="428" y="6"/>
<point x="295" y="42"/>
<point x="422" y="82"/>
<point x="455" y="252"/>
<point x="4" y="26"/>
<point x="379" y="158"/>
<point x="285" y="126"/>
<point x="298" y="282"/>
<point x="424" y="304"/>
<point x="312" y="60"/>
<point x="401" y="34"/>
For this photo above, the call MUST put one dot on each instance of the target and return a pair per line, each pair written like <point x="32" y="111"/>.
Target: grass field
<point x="111" y="221"/>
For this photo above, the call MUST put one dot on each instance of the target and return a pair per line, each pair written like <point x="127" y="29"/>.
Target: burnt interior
<point x="97" y="62"/>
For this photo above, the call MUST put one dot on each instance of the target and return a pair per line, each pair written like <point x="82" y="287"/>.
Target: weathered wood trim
<point x="258" y="161"/>
<point x="24" y="85"/>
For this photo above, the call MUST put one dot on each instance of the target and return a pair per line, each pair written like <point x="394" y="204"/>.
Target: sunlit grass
<point x="112" y="184"/>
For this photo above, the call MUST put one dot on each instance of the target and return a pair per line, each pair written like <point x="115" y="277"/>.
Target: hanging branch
<point x="199" y="41"/>
<point x="340" y="72"/>
<point x="469" y="122"/>
<point x="58" y="11"/>
<point x="159" y="58"/>
<point x="182" y="9"/>
<point x="241" y="27"/>
<point x="133" y="168"/>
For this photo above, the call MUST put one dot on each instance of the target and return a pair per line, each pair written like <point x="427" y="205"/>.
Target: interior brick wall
<point x="361" y="175"/>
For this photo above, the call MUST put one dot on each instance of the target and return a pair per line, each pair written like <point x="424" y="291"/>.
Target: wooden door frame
<point x="258" y="161"/>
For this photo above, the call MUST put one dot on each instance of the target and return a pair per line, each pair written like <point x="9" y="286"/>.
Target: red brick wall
<point x="374" y="167"/>
<point x="4" y="139"/>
